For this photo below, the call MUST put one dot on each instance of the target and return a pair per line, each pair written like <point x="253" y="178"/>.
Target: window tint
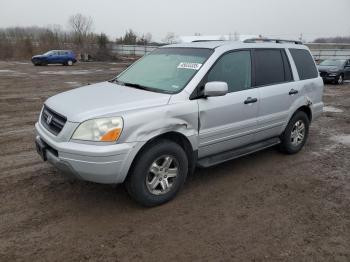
<point x="269" y="67"/>
<point x="234" y="69"/>
<point x="304" y="63"/>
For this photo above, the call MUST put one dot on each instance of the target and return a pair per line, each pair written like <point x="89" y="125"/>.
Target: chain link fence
<point x="319" y="51"/>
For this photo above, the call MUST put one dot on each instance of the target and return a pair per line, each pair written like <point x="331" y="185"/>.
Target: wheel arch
<point x="307" y="110"/>
<point x="173" y="136"/>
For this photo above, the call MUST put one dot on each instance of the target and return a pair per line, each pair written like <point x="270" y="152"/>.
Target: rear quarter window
<point x="305" y="64"/>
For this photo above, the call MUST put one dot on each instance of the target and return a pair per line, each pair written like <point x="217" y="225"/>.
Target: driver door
<point x="229" y="121"/>
<point x="54" y="57"/>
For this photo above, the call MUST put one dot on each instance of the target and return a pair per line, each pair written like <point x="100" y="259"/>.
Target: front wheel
<point x="295" y="134"/>
<point x="158" y="174"/>
<point x="340" y="80"/>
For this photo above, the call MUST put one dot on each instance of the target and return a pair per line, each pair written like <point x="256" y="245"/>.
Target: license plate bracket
<point x="41" y="148"/>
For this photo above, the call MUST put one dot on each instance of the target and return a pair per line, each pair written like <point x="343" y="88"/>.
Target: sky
<point x="272" y="18"/>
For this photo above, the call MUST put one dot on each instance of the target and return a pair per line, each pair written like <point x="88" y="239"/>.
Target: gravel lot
<point x="263" y="207"/>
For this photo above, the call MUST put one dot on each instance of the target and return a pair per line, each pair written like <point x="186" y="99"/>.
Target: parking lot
<point x="263" y="207"/>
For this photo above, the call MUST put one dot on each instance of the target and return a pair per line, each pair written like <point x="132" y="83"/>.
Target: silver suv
<point x="182" y="106"/>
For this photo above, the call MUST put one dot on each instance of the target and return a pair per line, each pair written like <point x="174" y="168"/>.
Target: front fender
<point x="158" y="127"/>
<point x="144" y="125"/>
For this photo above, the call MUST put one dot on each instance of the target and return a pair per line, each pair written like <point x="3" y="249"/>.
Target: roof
<point x="235" y="37"/>
<point x="204" y="44"/>
<point x="235" y="45"/>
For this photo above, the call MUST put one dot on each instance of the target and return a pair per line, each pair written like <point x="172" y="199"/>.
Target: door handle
<point x="293" y="92"/>
<point x="250" y="100"/>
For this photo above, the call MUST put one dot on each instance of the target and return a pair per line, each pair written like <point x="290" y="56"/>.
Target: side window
<point x="270" y="67"/>
<point x="305" y="64"/>
<point x="233" y="68"/>
<point x="288" y="76"/>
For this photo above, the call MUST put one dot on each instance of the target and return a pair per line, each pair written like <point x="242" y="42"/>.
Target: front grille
<point x="323" y="74"/>
<point x="52" y="121"/>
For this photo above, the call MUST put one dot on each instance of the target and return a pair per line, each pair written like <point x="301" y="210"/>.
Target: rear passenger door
<point x="229" y="121"/>
<point x="277" y="91"/>
<point x="60" y="57"/>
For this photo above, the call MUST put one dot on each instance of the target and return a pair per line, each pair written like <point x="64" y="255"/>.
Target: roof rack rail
<point x="266" y="40"/>
<point x="205" y="40"/>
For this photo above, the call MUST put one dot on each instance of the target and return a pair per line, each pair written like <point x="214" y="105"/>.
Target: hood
<point x="38" y="56"/>
<point x="328" y="68"/>
<point x="103" y="99"/>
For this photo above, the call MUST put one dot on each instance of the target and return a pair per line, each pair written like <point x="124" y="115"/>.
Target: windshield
<point x="49" y="53"/>
<point x="166" y="70"/>
<point x="332" y="62"/>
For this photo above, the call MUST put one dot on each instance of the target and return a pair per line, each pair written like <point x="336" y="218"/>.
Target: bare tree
<point x="148" y="38"/>
<point x="81" y="27"/>
<point x="170" y="38"/>
<point x="130" y="38"/>
<point x="103" y="52"/>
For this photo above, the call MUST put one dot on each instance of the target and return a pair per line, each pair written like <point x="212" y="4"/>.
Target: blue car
<point x="64" y="57"/>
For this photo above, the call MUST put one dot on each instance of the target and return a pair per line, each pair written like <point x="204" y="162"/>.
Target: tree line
<point x="24" y="42"/>
<point x="336" y="40"/>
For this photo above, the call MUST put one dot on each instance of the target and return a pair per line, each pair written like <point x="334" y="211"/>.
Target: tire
<point x="69" y="63"/>
<point x="151" y="174"/>
<point x="340" y="80"/>
<point x="298" y="126"/>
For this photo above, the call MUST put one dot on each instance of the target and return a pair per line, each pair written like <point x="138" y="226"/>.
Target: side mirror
<point x="215" y="88"/>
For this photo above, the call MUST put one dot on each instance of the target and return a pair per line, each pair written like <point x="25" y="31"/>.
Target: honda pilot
<point x="179" y="107"/>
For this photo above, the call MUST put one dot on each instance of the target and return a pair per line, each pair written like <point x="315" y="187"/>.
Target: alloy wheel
<point x="162" y="175"/>
<point x="298" y="133"/>
<point x="340" y="80"/>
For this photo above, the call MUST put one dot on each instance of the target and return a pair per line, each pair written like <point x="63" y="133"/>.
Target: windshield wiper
<point x="138" y="86"/>
<point x="115" y="80"/>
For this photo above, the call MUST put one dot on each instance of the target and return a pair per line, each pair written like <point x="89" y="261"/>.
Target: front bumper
<point x="107" y="164"/>
<point x="330" y="76"/>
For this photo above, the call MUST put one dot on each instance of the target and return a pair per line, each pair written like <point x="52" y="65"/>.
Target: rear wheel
<point x="295" y="134"/>
<point x="158" y="174"/>
<point x="70" y="62"/>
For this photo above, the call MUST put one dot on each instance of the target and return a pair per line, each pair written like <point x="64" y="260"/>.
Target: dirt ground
<point x="263" y="207"/>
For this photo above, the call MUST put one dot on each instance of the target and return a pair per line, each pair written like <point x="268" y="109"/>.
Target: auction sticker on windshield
<point x="194" y="66"/>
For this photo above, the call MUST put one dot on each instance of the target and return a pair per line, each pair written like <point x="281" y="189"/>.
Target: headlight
<point x="99" y="130"/>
